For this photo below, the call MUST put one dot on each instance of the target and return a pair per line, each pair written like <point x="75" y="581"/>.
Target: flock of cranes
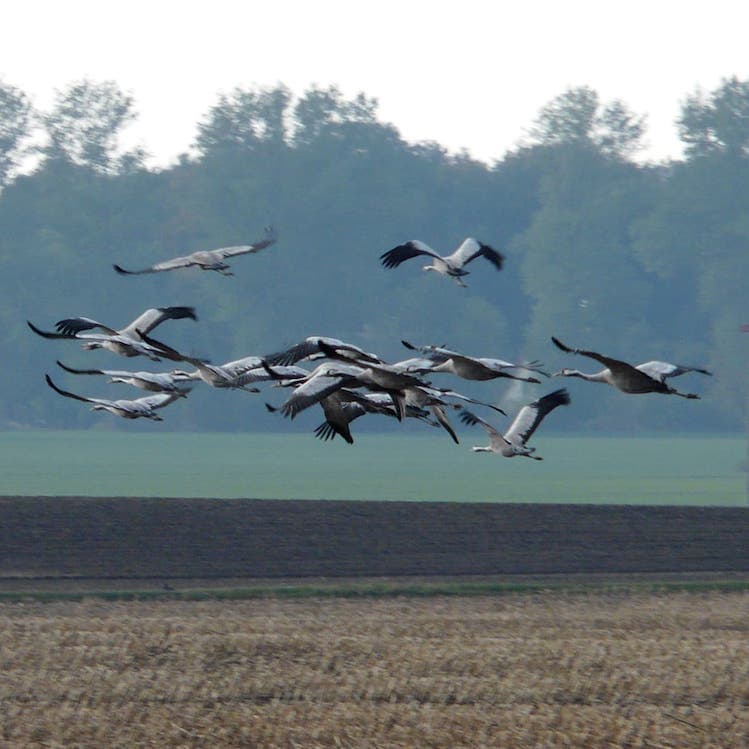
<point x="346" y="381"/>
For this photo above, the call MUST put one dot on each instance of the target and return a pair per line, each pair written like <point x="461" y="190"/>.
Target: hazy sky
<point x="471" y="74"/>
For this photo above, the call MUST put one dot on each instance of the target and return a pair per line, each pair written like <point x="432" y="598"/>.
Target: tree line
<point x="638" y="260"/>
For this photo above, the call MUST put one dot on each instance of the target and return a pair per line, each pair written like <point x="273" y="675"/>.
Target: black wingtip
<point x="467" y="417"/>
<point x="267" y="367"/>
<point x="387" y="259"/>
<point x="53" y="386"/>
<point x="324" y="432"/>
<point x="496" y="258"/>
<point x="452" y="434"/>
<point x="65" y="367"/>
<point x="43" y="333"/>
<point x="121" y="270"/>
<point x="561" y="346"/>
<point x="559" y="397"/>
<point x="162" y="348"/>
<point x="179" y="312"/>
<point x="327" y="349"/>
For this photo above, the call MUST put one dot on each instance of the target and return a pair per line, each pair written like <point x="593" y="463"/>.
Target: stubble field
<point x="626" y="669"/>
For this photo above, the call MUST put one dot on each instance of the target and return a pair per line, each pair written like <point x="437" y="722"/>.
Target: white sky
<point x="471" y="74"/>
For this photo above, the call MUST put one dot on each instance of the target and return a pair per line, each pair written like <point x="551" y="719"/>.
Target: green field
<point x="675" y="470"/>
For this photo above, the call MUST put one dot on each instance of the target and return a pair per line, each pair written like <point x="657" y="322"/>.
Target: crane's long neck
<point x="602" y="376"/>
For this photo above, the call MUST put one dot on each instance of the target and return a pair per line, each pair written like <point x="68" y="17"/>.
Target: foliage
<point x="578" y="117"/>
<point x="15" y="122"/>
<point x="717" y="122"/>
<point x="84" y="126"/>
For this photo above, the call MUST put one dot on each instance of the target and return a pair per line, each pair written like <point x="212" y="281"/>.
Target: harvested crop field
<point x="627" y="669"/>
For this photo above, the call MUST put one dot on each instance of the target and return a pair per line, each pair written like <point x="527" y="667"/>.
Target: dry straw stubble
<point x="532" y="670"/>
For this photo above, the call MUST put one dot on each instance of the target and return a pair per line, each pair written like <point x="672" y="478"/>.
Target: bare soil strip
<point x="156" y="542"/>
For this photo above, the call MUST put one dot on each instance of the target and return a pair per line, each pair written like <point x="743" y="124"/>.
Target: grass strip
<point x="377" y="590"/>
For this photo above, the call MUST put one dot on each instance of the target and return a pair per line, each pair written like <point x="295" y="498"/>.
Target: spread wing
<point x="159" y="400"/>
<point x="147" y="321"/>
<point x="162" y="349"/>
<point x="661" y="370"/>
<point x="73" y="395"/>
<point x="295" y="353"/>
<point x="261" y="374"/>
<point x="470" y="249"/>
<point x="72" y="325"/>
<point x="311" y="392"/>
<point x="195" y="258"/>
<point x="47" y="333"/>
<point x="393" y="258"/>
<point x="270" y="238"/>
<point x="108" y="372"/>
<point x="607" y="361"/>
<point x="470" y="418"/>
<point x="69" y="328"/>
<point x="177" y="262"/>
<point x="529" y="417"/>
<point x="319" y="345"/>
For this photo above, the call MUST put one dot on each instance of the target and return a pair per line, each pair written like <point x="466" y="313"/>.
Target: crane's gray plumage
<point x="140" y="408"/>
<point x="157" y="382"/>
<point x="312" y="347"/>
<point x="127" y="341"/>
<point x="345" y="405"/>
<point x="470" y="367"/>
<point x="207" y="259"/>
<point x="661" y="370"/>
<point x="215" y="375"/>
<point x="514" y="441"/>
<point x="649" y="377"/>
<point x="448" y="265"/>
<point x="322" y="382"/>
<point x="334" y="375"/>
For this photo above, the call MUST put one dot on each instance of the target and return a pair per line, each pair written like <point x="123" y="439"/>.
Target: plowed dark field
<point x="56" y="538"/>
